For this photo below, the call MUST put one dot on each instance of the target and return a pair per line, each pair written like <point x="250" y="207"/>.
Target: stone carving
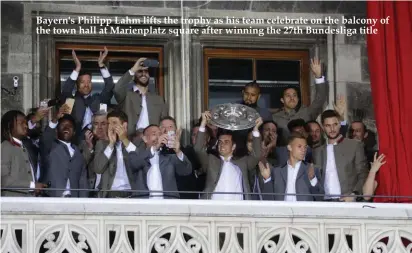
<point x="391" y="241"/>
<point x="178" y="238"/>
<point x="72" y="238"/>
<point x="9" y="240"/>
<point x="123" y="237"/>
<point x="288" y="239"/>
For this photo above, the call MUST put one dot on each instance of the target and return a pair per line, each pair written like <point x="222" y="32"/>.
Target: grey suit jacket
<point x="108" y="167"/>
<point x="169" y="165"/>
<point x="79" y="107"/>
<point x="279" y="181"/>
<point x="350" y="164"/>
<point x="15" y="170"/>
<point x="131" y="103"/>
<point x="60" y="166"/>
<point x="311" y="112"/>
<point x="88" y="158"/>
<point x="212" y="165"/>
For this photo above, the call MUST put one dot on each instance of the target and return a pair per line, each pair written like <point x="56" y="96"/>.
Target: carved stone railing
<point x="56" y="225"/>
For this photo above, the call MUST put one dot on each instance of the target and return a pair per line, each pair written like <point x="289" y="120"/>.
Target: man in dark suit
<point x="111" y="159"/>
<point x="156" y="170"/>
<point x="63" y="163"/>
<point x="86" y="104"/>
<point x="294" y="177"/>
<point x="141" y="106"/>
<point x="17" y="168"/>
<point x="227" y="173"/>
<point x="342" y="162"/>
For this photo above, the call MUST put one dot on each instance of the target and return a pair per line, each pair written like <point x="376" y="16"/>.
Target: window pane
<point x="273" y="77"/>
<point x="226" y="79"/>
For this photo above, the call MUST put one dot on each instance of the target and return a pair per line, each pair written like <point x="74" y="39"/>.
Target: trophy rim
<point x="230" y="127"/>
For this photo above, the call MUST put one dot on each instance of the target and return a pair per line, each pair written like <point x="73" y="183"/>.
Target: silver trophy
<point x="234" y="116"/>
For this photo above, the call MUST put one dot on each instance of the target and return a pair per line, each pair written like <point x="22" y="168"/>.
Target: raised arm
<point x="120" y="89"/>
<point x="199" y="147"/>
<point x="71" y="80"/>
<point x="320" y="89"/>
<point x="256" y="153"/>
<point x="370" y="184"/>
<point x="107" y="92"/>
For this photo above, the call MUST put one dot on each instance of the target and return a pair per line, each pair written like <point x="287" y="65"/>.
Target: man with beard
<point x="251" y="95"/>
<point x="111" y="159"/>
<point x="64" y="166"/>
<point x="142" y="107"/>
<point x="358" y="131"/>
<point x="315" y="133"/>
<point x="156" y="170"/>
<point x="86" y="104"/>
<point x="17" y="169"/>
<point x="295" y="177"/>
<point x="290" y="101"/>
<point x="342" y="162"/>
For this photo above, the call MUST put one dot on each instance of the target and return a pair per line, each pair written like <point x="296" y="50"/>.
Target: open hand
<point x="377" y="162"/>
<point x="76" y="61"/>
<point x="264" y="170"/>
<point x="316" y="67"/>
<point x="102" y="57"/>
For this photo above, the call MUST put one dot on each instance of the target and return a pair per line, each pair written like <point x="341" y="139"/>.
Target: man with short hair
<point x="227" y="173"/>
<point x="290" y="101"/>
<point x="358" y="131"/>
<point x="86" y="104"/>
<point x="295" y="177"/>
<point x="342" y="162"/>
<point x="156" y="170"/>
<point x="315" y="133"/>
<point x="141" y="106"/>
<point x="64" y="165"/>
<point x="111" y="159"/>
<point x="251" y="94"/>
<point x="299" y="126"/>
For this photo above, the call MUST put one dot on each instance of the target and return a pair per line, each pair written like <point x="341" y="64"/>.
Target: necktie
<point x="88" y="101"/>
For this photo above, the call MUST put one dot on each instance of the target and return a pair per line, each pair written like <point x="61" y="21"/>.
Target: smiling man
<point x="142" y="107"/>
<point x="63" y="163"/>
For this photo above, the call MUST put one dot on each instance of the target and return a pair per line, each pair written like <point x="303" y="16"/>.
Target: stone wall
<point x="21" y="56"/>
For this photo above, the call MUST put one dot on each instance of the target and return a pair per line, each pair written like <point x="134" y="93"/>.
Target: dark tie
<point x="88" y="101"/>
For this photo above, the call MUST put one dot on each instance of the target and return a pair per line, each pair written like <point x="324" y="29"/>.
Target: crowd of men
<point x="134" y="149"/>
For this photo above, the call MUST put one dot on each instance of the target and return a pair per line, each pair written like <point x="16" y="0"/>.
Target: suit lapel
<point x="339" y="161"/>
<point x="137" y="103"/>
<point x="284" y="173"/>
<point x="302" y="170"/>
<point x="150" y="108"/>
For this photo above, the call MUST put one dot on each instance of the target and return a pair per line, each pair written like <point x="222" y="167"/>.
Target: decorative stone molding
<point x="56" y="225"/>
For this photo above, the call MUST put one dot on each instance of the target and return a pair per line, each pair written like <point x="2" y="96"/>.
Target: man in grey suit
<point x="111" y="159"/>
<point x="142" y="107"/>
<point x="63" y="163"/>
<point x="342" y="162"/>
<point x="86" y="104"/>
<point x="227" y="173"/>
<point x="17" y="168"/>
<point x="295" y="177"/>
<point x="156" y="170"/>
<point x="290" y="101"/>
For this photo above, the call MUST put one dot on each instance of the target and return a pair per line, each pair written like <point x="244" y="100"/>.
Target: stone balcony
<point x="60" y="225"/>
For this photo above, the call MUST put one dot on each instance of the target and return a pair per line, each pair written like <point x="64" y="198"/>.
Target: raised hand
<point x="102" y="57"/>
<point x="264" y="170"/>
<point x="206" y="116"/>
<point x="311" y="172"/>
<point x="76" y="61"/>
<point x="40" y="114"/>
<point x="162" y="141"/>
<point x="316" y="67"/>
<point x="259" y="122"/>
<point x="139" y="65"/>
<point x="88" y="137"/>
<point x="340" y="106"/>
<point x="112" y="136"/>
<point x="176" y="146"/>
<point x="377" y="163"/>
<point x="64" y="109"/>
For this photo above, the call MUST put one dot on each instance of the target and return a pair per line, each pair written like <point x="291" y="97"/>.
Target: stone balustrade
<point x="61" y="225"/>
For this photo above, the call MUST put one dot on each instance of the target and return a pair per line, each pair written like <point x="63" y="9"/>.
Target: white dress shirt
<point x="33" y="175"/>
<point x="332" y="183"/>
<point x="121" y="180"/>
<point x="230" y="180"/>
<point x="71" y="151"/>
<point x="291" y="184"/>
<point x="154" y="176"/>
<point x="143" y="121"/>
